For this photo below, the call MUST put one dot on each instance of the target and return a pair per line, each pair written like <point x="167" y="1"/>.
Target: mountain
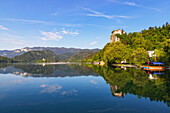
<point x="56" y="50"/>
<point x="35" y="56"/>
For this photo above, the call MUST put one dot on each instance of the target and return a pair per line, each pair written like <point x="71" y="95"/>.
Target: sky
<point x="75" y="23"/>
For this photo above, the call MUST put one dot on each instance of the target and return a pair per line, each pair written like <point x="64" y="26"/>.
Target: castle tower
<point x="113" y="37"/>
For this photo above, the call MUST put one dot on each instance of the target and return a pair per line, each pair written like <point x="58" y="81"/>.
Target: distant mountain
<point x="35" y="56"/>
<point x="56" y="50"/>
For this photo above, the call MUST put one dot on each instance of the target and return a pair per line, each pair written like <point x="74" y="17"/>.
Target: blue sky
<point x="75" y="23"/>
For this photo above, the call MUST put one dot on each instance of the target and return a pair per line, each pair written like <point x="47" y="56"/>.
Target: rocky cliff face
<point x="113" y="37"/>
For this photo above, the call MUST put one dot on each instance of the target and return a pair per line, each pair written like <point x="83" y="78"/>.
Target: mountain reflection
<point x="122" y="81"/>
<point x="137" y="82"/>
<point x="47" y="70"/>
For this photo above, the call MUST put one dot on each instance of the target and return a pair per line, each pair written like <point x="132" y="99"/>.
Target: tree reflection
<point x="35" y="70"/>
<point x="135" y="81"/>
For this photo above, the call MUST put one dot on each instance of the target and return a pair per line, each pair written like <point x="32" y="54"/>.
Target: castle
<point x="113" y="37"/>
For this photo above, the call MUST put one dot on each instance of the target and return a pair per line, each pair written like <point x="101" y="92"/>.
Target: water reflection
<point x="152" y="85"/>
<point x="81" y="89"/>
<point x="47" y="70"/>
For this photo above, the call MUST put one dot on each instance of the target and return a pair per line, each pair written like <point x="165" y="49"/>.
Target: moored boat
<point x="154" y="66"/>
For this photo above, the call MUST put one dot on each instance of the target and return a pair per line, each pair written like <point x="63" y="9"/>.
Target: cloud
<point x="130" y="3"/>
<point x="28" y="21"/>
<point x="57" y="35"/>
<point x="56" y="88"/>
<point x="93" y="82"/>
<point x="44" y="85"/>
<point x="133" y="4"/>
<point x="99" y="14"/>
<point x="70" y="92"/>
<point x="16" y="42"/>
<point x="93" y="43"/>
<point x="69" y="32"/>
<point x="3" y="28"/>
<point x="50" y="36"/>
<point x="142" y="6"/>
<point x="51" y="88"/>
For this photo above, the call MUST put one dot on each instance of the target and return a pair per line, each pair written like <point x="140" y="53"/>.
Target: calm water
<point x="82" y="89"/>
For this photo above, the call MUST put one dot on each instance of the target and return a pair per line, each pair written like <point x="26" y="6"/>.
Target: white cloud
<point x="3" y="28"/>
<point x="99" y="14"/>
<point x="50" y="36"/>
<point x="64" y="31"/>
<point x="56" y="35"/>
<point x="44" y="85"/>
<point x="74" y="33"/>
<point x="15" y="42"/>
<point x="28" y="21"/>
<point x="69" y="32"/>
<point x="130" y="3"/>
<point x="93" y="43"/>
<point x="93" y="82"/>
<point x="42" y="38"/>
<point x="133" y="4"/>
<point x="70" y="92"/>
<point x="51" y="88"/>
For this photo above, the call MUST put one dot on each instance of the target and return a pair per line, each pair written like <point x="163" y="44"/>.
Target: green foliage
<point x="65" y="56"/>
<point x="134" y="47"/>
<point x="139" y="56"/>
<point x="35" y="56"/>
<point x="80" y="56"/>
<point x="116" y="52"/>
<point x="5" y="59"/>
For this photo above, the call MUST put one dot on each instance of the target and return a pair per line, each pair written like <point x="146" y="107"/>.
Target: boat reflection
<point x="135" y="81"/>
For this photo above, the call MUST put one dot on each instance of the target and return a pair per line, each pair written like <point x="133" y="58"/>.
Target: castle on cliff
<point x="113" y="37"/>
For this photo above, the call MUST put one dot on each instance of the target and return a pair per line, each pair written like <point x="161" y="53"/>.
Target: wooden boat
<point x="153" y="68"/>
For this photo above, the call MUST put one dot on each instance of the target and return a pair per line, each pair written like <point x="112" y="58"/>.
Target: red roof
<point x="117" y="30"/>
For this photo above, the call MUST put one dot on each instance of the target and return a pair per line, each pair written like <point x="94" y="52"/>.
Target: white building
<point x="151" y="53"/>
<point x="113" y="37"/>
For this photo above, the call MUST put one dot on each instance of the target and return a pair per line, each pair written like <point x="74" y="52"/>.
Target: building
<point x="151" y="53"/>
<point x="113" y="37"/>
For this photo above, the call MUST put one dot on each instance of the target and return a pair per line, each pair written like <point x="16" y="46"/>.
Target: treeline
<point x="134" y="46"/>
<point x="5" y="59"/>
<point x="31" y="56"/>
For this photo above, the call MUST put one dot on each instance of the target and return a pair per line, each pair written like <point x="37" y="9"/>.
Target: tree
<point x="139" y="56"/>
<point x="117" y="52"/>
<point x="167" y="24"/>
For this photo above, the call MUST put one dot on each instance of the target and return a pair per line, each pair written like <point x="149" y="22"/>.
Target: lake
<point x="28" y="88"/>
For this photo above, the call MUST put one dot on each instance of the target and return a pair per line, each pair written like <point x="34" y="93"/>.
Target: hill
<point x="35" y="56"/>
<point x="5" y="59"/>
<point x="134" y="46"/>
<point x="81" y="56"/>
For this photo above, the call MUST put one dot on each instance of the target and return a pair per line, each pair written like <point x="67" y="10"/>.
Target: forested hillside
<point x="81" y="56"/>
<point x="35" y="56"/>
<point x="134" y="46"/>
<point x="5" y="59"/>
